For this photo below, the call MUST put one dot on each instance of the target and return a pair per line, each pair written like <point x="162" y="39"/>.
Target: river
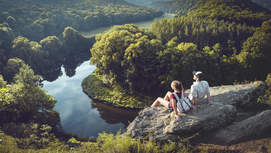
<point x="78" y="113"/>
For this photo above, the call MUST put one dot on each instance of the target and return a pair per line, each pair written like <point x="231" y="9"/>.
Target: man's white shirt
<point x="199" y="90"/>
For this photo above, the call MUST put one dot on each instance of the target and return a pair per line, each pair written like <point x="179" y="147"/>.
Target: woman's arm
<point x="173" y="102"/>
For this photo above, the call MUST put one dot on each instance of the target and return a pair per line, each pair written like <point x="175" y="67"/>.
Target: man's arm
<point x="194" y="100"/>
<point x="208" y="97"/>
<point x="193" y="95"/>
<point x="208" y="92"/>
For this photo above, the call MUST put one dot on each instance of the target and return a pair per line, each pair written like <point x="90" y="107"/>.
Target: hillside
<point x="37" y="19"/>
<point x="180" y="7"/>
<point x="241" y="11"/>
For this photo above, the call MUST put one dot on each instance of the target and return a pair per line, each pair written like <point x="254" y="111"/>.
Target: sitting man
<point x="199" y="92"/>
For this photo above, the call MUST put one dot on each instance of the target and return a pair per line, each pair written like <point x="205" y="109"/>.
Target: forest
<point x="182" y="7"/>
<point x="47" y="36"/>
<point x="234" y="41"/>
<point x="228" y="40"/>
<point x="45" y="18"/>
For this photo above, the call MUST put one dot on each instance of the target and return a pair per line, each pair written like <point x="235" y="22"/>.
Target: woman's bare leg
<point x="159" y="101"/>
<point x="167" y="96"/>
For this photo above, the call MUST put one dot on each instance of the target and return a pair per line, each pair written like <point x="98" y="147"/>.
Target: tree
<point x="2" y="82"/>
<point x="255" y="55"/>
<point x="74" y="41"/>
<point x="126" y="55"/>
<point x="12" y="67"/>
<point x="25" y="100"/>
<point x="7" y="35"/>
<point x="29" y="51"/>
<point x="51" y="44"/>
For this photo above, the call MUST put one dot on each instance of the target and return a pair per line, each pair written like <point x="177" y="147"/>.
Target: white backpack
<point x="183" y="104"/>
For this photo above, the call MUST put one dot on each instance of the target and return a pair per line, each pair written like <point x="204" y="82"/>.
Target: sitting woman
<point x="169" y="101"/>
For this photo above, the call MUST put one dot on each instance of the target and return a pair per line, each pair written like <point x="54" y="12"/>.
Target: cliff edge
<point x="224" y="112"/>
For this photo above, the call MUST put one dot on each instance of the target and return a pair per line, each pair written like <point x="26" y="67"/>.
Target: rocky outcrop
<point x="158" y="123"/>
<point x="238" y="95"/>
<point x="252" y="127"/>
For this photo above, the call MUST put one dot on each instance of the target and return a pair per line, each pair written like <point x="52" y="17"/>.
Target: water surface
<point x="78" y="113"/>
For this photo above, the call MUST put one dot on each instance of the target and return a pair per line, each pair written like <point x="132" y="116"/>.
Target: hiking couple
<point x="199" y="93"/>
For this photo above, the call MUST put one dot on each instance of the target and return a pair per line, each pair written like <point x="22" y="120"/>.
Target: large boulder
<point x="238" y="95"/>
<point x="251" y="127"/>
<point x="158" y="123"/>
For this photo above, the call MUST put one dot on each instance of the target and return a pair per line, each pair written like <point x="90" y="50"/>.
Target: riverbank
<point x="145" y="23"/>
<point x="94" y="87"/>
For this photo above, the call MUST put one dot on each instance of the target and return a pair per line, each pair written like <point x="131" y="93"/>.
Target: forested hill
<point x="240" y="11"/>
<point x="37" y="19"/>
<point x="180" y="7"/>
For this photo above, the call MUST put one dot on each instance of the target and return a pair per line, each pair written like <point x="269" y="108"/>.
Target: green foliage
<point x="51" y="44"/>
<point x="2" y="82"/>
<point x="12" y="67"/>
<point x="180" y="7"/>
<point x="127" y="56"/>
<point x="38" y="19"/>
<point x="7" y="35"/>
<point x="30" y="135"/>
<point x="74" y="41"/>
<point x="203" y="32"/>
<point x="266" y="98"/>
<point x="125" y="144"/>
<point x="178" y="63"/>
<point x="29" y="51"/>
<point x="3" y="60"/>
<point x="255" y="55"/>
<point x="97" y="89"/>
<point x="240" y="11"/>
<point x="25" y="100"/>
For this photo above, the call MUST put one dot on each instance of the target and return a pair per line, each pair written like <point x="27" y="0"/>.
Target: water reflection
<point x="113" y="115"/>
<point x="78" y="113"/>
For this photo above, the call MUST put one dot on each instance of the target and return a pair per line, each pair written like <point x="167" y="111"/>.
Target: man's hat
<point x="197" y="73"/>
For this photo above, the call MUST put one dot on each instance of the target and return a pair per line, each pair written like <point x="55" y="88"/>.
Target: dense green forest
<point x="38" y="19"/>
<point x="43" y="34"/>
<point x="28" y="123"/>
<point x="180" y="7"/>
<point x="39" y="37"/>
<point x="241" y="11"/>
<point x="46" y="56"/>
<point x="226" y="39"/>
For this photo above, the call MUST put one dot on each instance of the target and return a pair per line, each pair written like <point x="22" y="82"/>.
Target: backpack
<point x="183" y="103"/>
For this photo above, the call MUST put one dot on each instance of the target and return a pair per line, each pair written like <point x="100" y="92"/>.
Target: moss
<point x="94" y="87"/>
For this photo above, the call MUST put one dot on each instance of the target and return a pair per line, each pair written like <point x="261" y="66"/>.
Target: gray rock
<point x="207" y="118"/>
<point x="160" y="124"/>
<point x="241" y="95"/>
<point x="252" y="127"/>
